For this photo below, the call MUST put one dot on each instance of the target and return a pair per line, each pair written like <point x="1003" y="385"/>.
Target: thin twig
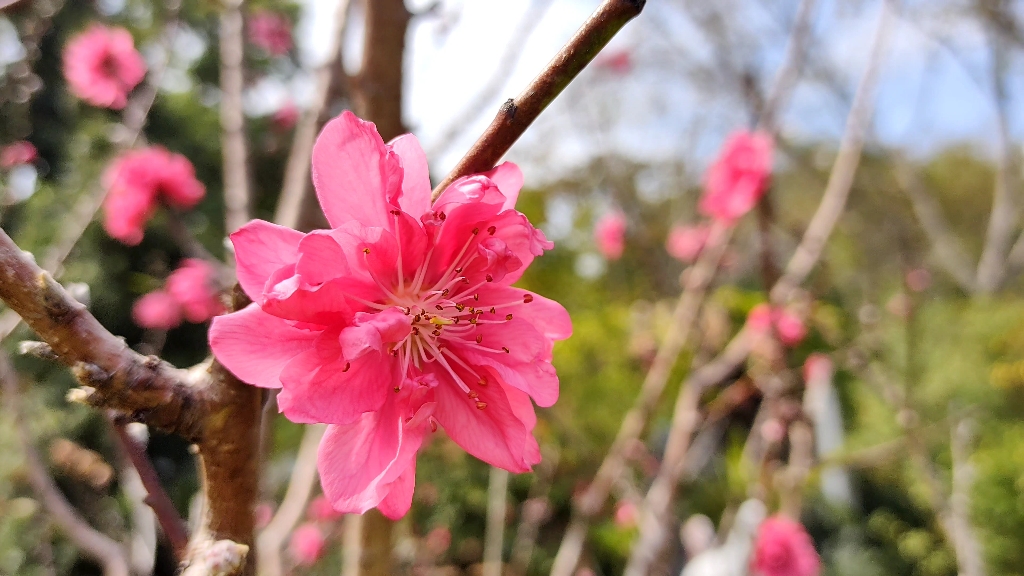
<point x="516" y="114"/>
<point x="300" y="487"/>
<point x="494" y="533"/>
<point x="969" y="554"/>
<point x="588" y="504"/>
<point x="534" y="510"/>
<point x="95" y="544"/>
<point x="237" y="197"/>
<point x="502" y="70"/>
<point x="295" y="192"/>
<point x="157" y="499"/>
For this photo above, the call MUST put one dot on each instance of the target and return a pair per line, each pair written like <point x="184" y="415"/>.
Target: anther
<point x="441" y="216"/>
<point x="396" y="212"/>
<point x="527" y="298"/>
<point x="398" y="389"/>
<point x="439" y="307"/>
<point x="473" y="395"/>
<point x="482" y="381"/>
<point x="436" y="332"/>
<point x="458" y="270"/>
<point x="415" y="331"/>
<point x="417" y="318"/>
<point x="505" y="348"/>
<point x="492" y="230"/>
<point x="347" y="366"/>
<point x="479" y="338"/>
<point x="481" y="405"/>
<point x="492" y="310"/>
<point x="366" y="250"/>
<point x="489" y="278"/>
<point x="433" y="426"/>
<point x="476" y="297"/>
<point x="472" y="320"/>
<point x="476" y="231"/>
<point x="508" y="316"/>
<point x="460" y="307"/>
<point x="446" y="291"/>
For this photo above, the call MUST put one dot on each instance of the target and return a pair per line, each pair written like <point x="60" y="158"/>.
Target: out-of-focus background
<point x="917" y="427"/>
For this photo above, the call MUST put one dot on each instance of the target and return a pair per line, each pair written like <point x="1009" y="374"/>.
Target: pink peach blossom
<point x="399" y="319"/>
<point x="285" y="117"/>
<point x="626" y="514"/>
<point x="17" y="153"/>
<point x="307" y="544"/>
<point x="438" y="540"/>
<point x="137" y="180"/>
<point x="263" y="514"/>
<point x="787" y="325"/>
<point x="101" y="66"/>
<point x="194" y="286"/>
<point x="739" y="176"/>
<point x="270" y="31"/>
<point x="157" y="310"/>
<point x="919" y="279"/>
<point x="817" y="367"/>
<point x="610" y="235"/>
<point x="321" y="510"/>
<point x="783" y="548"/>
<point x="684" y="243"/>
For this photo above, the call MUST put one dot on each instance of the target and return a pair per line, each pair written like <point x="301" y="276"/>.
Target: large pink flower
<point x="399" y="319"/>
<point x="137" y="181"/>
<point x="783" y="548"/>
<point x="101" y="66"/>
<point x="610" y="235"/>
<point x="739" y="176"/>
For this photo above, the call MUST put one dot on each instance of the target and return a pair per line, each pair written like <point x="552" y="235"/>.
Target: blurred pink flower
<point x="618" y="62"/>
<point x="285" y="117"/>
<point x="773" y="430"/>
<point x="919" y="279"/>
<point x="270" y="31"/>
<point x="17" y="153"/>
<point x="263" y="514"/>
<point x="321" y="510"/>
<point x="788" y="326"/>
<point x="684" y="243"/>
<point x="610" y="235"/>
<point x="137" y="180"/>
<point x="157" y="310"/>
<point x="101" y="66"/>
<point x="438" y="540"/>
<point x="399" y="319"/>
<point x="817" y="367"/>
<point x="737" y="179"/>
<point x="783" y="548"/>
<point x="194" y="286"/>
<point x="626" y="514"/>
<point x="307" y="544"/>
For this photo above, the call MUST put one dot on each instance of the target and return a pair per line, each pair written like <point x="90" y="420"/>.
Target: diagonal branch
<point x="114" y="376"/>
<point x="516" y="114"/>
<point x="97" y="545"/>
<point x="949" y="253"/>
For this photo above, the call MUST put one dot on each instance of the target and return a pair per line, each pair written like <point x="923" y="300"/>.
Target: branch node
<point x="90" y="374"/>
<point x="508" y="109"/>
<point x="37" y="349"/>
<point x="55" y="301"/>
<point x="220" y="558"/>
<point x="81" y="395"/>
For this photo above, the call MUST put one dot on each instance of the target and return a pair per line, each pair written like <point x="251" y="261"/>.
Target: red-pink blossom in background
<point x="626" y="514"/>
<point x="17" y="153"/>
<point x="610" y="235"/>
<point x="787" y="325"/>
<point x="618" y="62"/>
<point x="438" y="540"/>
<point x="137" y="181"/>
<point x="321" y="510"/>
<point x="307" y="544"/>
<point x="783" y="548"/>
<point x="270" y="31"/>
<point x="919" y="279"/>
<point x="263" y="514"/>
<point x="157" y="310"/>
<point x="398" y="320"/>
<point x="684" y="243"/>
<point x="737" y="179"/>
<point x="101" y="66"/>
<point x="194" y="286"/>
<point x="817" y="368"/>
<point x="285" y="117"/>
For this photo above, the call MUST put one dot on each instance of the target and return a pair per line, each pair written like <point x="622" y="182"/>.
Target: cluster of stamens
<point x="444" y="314"/>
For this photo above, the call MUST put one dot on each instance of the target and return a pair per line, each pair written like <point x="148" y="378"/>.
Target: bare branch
<point x="949" y="253"/>
<point x="494" y="534"/>
<point x="516" y="115"/>
<point x="968" y="549"/>
<point x="144" y="388"/>
<point x="534" y="510"/>
<point x="237" y="196"/>
<point x="300" y="487"/>
<point x="95" y="544"/>
<point x="296" y="206"/>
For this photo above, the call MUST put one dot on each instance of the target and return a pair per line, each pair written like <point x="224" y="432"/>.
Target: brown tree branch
<point x="516" y="114"/>
<point x="145" y="389"/>
<point x="95" y="544"/>
<point x="237" y="196"/>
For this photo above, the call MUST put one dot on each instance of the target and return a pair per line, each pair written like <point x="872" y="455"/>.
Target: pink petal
<point x="493" y="434"/>
<point x="415" y="198"/>
<point x="549" y="317"/>
<point x="371" y="331"/>
<point x="256" y="346"/>
<point x="399" y="497"/>
<point x="261" y="248"/>
<point x="353" y="172"/>
<point x="509" y="179"/>
<point x="338" y="391"/>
